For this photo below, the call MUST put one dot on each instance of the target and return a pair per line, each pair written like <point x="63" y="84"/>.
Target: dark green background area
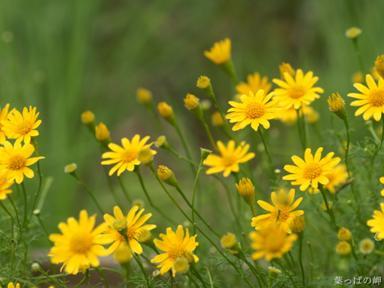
<point x="65" y="56"/>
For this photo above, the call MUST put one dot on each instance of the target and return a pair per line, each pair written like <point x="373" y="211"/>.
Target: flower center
<point x="24" y="128"/>
<point x="17" y="162"/>
<point x="283" y="215"/>
<point x="176" y="252"/>
<point x="296" y="92"/>
<point x="80" y="243"/>
<point x="376" y="98"/>
<point x="129" y="155"/>
<point x="273" y="243"/>
<point x="255" y="110"/>
<point x="229" y="160"/>
<point x="312" y="171"/>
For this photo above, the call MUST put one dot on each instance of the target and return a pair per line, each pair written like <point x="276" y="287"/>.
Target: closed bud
<point x="102" y="133"/>
<point x="87" y="117"/>
<point x="216" y="119"/>
<point x="143" y="95"/>
<point x="298" y="224"/>
<point x="343" y="248"/>
<point x="165" y="111"/>
<point x="246" y="189"/>
<point x="379" y="65"/>
<point x="357" y="77"/>
<point x="70" y="168"/>
<point x="161" y="142"/>
<point x="191" y="102"/>
<point x="286" y="68"/>
<point x="273" y="270"/>
<point x="166" y="175"/>
<point x="353" y="32"/>
<point x="344" y="234"/>
<point x="229" y="241"/>
<point x="146" y="156"/>
<point x="336" y="105"/>
<point x="35" y="267"/>
<point x="203" y="82"/>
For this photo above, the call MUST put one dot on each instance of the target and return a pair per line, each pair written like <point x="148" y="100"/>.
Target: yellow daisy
<point x="125" y="157"/>
<point x="3" y="117"/>
<point x="370" y="100"/>
<point x="5" y="185"/>
<point x="270" y="242"/>
<point x="229" y="159"/>
<point x="22" y="125"/>
<point x="377" y="222"/>
<point x="283" y="211"/>
<point x="220" y="52"/>
<point x="337" y="177"/>
<point x="79" y="245"/>
<point x="175" y="246"/>
<point x="311" y="170"/>
<point x="127" y="228"/>
<point x="297" y="90"/>
<point x="253" y="109"/>
<point x="15" y="160"/>
<point x="254" y="83"/>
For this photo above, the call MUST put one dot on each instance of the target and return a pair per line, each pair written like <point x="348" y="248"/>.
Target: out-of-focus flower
<point x="5" y="185"/>
<point x="220" y="52"/>
<point x="13" y="285"/>
<point x="298" y="224"/>
<point x="366" y="246"/>
<point x="70" y="168"/>
<point x="102" y="132"/>
<point x="165" y="110"/>
<point x="229" y="241"/>
<point x="286" y="68"/>
<point x="216" y="119"/>
<point x="343" y="248"/>
<point x="289" y="116"/>
<point x="123" y="254"/>
<point x="203" y="82"/>
<point x="143" y="95"/>
<point x="254" y="83"/>
<point x="3" y="117"/>
<point x="353" y="32"/>
<point x="191" y="102"/>
<point x="357" y="77"/>
<point x="344" y="234"/>
<point x="379" y="65"/>
<point x="87" y="117"/>
<point x="337" y="177"/>
<point x="146" y="156"/>
<point x="376" y="223"/>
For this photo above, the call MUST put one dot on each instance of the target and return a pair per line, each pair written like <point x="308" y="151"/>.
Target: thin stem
<point x="302" y="136"/>
<point x="345" y="120"/>
<point x="125" y="191"/>
<point x="196" y="272"/>
<point x="15" y="209"/>
<point x="194" y="190"/>
<point x="138" y="261"/>
<point x="184" y="143"/>
<point x="25" y="197"/>
<point x="358" y="54"/>
<point x="201" y="118"/>
<point x="301" y="258"/>
<point x="90" y="193"/>
<point x="329" y="210"/>
<point x="260" y="130"/>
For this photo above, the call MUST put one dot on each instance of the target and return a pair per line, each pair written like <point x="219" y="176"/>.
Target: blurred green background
<point x="65" y="56"/>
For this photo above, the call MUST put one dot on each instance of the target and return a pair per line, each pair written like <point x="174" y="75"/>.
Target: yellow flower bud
<point x="343" y="248"/>
<point x="123" y="253"/>
<point x="87" y="117"/>
<point x="70" y="168"/>
<point x="191" y="102"/>
<point x="298" y="224"/>
<point x="273" y="270"/>
<point x="143" y="95"/>
<point x="146" y="156"/>
<point x="203" y="82"/>
<point x="165" y="174"/>
<point x="344" y="234"/>
<point x="336" y="103"/>
<point x="357" y="77"/>
<point x="165" y="110"/>
<point x="379" y="65"/>
<point x="366" y="246"/>
<point x="102" y="132"/>
<point x="353" y="32"/>
<point x="246" y="189"/>
<point x="181" y="266"/>
<point x="138" y="202"/>
<point x="228" y="241"/>
<point x="216" y="119"/>
<point x="286" y="68"/>
<point x="161" y="141"/>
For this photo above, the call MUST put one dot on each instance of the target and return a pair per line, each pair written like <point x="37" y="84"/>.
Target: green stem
<point x="90" y="193"/>
<point x="196" y="272"/>
<point x="194" y="190"/>
<point x="25" y="197"/>
<point x="345" y="120"/>
<point x="358" y="54"/>
<point x="270" y="162"/>
<point x="329" y="210"/>
<point x="302" y="136"/>
<point x="301" y="258"/>
<point x="125" y="192"/>
<point x="138" y="261"/>
<point x="206" y="128"/>
<point x="184" y="143"/>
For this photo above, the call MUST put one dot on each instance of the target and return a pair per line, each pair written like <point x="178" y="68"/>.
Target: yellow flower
<point x="353" y="32"/>
<point x="366" y="246"/>
<point x="79" y="245"/>
<point x="165" y="110"/>
<point x="123" y="254"/>
<point x="286" y="68"/>
<point x="70" y="168"/>
<point x="191" y="102"/>
<point x="357" y="77"/>
<point x="298" y="224"/>
<point x="217" y="119"/>
<point x="283" y="211"/>
<point x="377" y="223"/>
<point x="22" y="126"/>
<point x="228" y="241"/>
<point x="5" y="185"/>
<point x="145" y="156"/>
<point x="254" y="83"/>
<point x="165" y="173"/>
<point x="289" y="116"/>
<point x="87" y="117"/>
<point x="381" y="179"/>
<point x="13" y="285"/>
<point x="229" y="159"/>
<point x="337" y="177"/>
<point x="102" y="132"/>
<point x="125" y="157"/>
<point x="203" y="82"/>
<point x="127" y="228"/>
<point x="343" y="248"/>
<point x="3" y="117"/>
<point x="253" y="109"/>
<point x="143" y="95"/>
<point x="271" y="242"/>
<point x="336" y="103"/>
<point x="220" y="52"/>
<point x="297" y="90"/>
<point x="15" y="160"/>
<point x="370" y="100"/>
<point x="174" y="245"/>
<point x="379" y="65"/>
<point x="246" y="190"/>
<point x="311" y="170"/>
<point x="344" y="234"/>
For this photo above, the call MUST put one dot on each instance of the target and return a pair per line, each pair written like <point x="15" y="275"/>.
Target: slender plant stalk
<point x="329" y="210"/>
<point x="194" y="191"/>
<point x="301" y="258"/>
<point x="270" y="162"/>
<point x="90" y="193"/>
<point x="125" y="191"/>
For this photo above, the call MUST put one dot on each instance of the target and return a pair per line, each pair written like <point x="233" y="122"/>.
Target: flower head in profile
<point x="177" y="248"/>
<point x="272" y="241"/>
<point x="297" y="90"/>
<point x="3" y="117"/>
<point x="370" y="98"/>
<point x="254" y="83"/>
<point x="337" y="177"/>
<point x="125" y="157"/>
<point x="22" y="125"/>
<point x="231" y="156"/>
<point x="5" y="186"/>
<point x="379" y="65"/>
<point x="79" y="245"/>
<point x="13" y="285"/>
<point x="282" y="210"/>
<point x="377" y="223"/>
<point x="128" y="228"/>
<point x="220" y="52"/>
<point x="312" y="170"/>
<point x="15" y="160"/>
<point x="253" y="109"/>
<point x="289" y="116"/>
